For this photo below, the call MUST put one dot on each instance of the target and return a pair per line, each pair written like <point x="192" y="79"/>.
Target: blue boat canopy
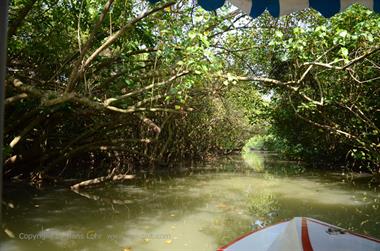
<point x="277" y="8"/>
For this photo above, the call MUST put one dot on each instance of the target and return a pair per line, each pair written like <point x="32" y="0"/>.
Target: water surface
<point x="202" y="208"/>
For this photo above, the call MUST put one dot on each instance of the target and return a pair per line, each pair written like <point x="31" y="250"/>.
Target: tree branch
<point x="111" y="39"/>
<point x="80" y="66"/>
<point x="15" y="98"/>
<point x="18" y="20"/>
<point x="72" y="97"/>
<point x="178" y="75"/>
<point x="346" y="66"/>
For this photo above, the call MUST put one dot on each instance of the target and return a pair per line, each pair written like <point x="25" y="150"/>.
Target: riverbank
<point x="254" y="160"/>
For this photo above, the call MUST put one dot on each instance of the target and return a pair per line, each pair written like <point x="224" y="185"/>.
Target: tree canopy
<point x="96" y="85"/>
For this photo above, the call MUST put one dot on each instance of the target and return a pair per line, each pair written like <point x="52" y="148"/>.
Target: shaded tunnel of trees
<point x="94" y="86"/>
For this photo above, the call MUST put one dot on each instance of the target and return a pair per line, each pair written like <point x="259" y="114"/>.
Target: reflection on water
<point x="196" y="210"/>
<point x="254" y="161"/>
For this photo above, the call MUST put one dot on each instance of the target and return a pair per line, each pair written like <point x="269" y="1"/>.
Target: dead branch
<point x="101" y="180"/>
<point x="15" y="98"/>
<point x="26" y="130"/>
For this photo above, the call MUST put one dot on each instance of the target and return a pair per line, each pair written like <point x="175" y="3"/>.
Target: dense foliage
<point x="324" y="76"/>
<point x="93" y="85"/>
<point x="333" y="106"/>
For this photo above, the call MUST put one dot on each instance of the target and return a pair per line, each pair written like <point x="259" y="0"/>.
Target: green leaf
<point x="344" y="52"/>
<point x="343" y="33"/>
<point x="279" y="34"/>
<point x="192" y="34"/>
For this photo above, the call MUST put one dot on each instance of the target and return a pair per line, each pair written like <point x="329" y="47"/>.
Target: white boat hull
<point x="303" y="234"/>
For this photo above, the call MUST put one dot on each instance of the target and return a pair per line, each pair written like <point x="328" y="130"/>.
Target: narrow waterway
<point x="201" y="208"/>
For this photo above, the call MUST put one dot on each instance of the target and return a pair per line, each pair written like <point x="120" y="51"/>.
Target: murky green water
<point x="193" y="210"/>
